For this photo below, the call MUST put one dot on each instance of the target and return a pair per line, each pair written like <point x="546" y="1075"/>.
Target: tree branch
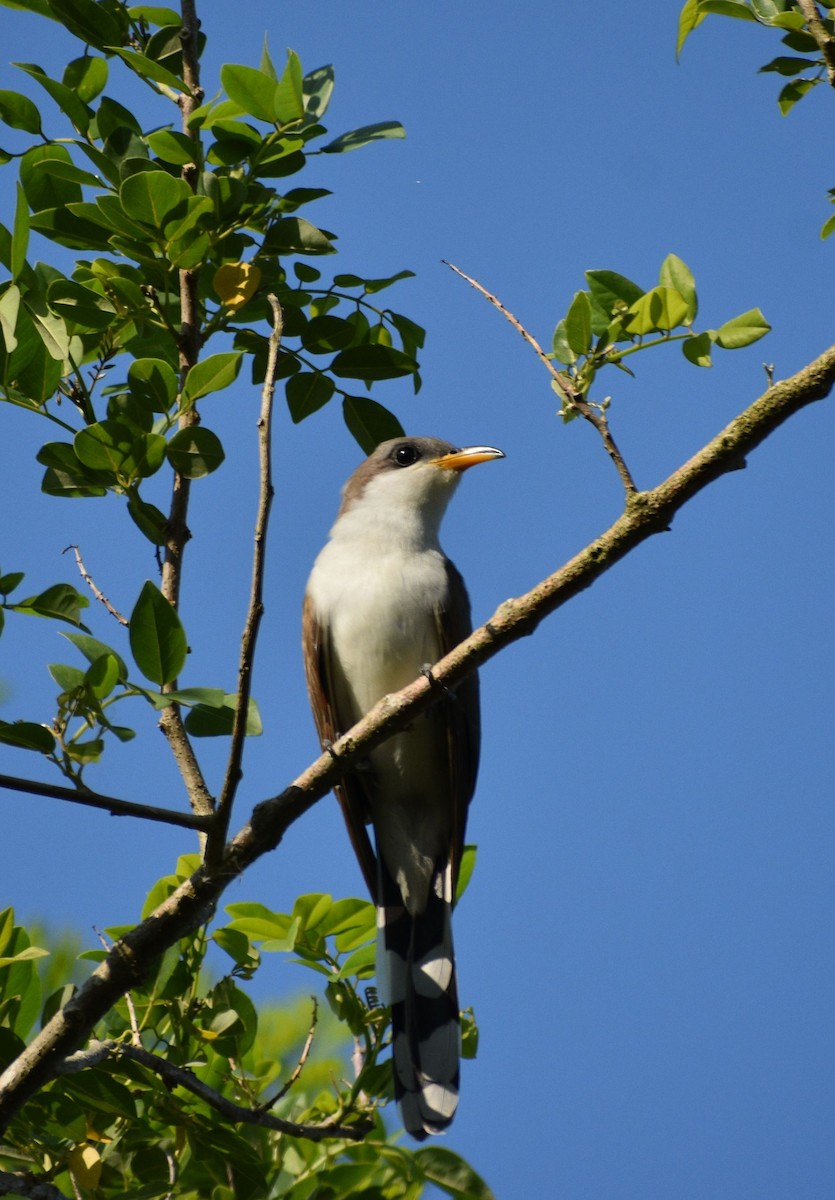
<point x="565" y="386"/>
<point x="817" y="29"/>
<point x="177" y="531"/>
<point x="232" y="778"/>
<point x="174" y="1076"/>
<point x="192" y="904"/>
<point x="116" y="807"/>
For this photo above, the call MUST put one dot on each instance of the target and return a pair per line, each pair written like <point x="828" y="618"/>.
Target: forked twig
<point x="564" y="385"/>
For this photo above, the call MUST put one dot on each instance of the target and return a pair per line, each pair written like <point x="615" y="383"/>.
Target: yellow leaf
<point x="85" y="1163"/>
<point x="236" y="283"/>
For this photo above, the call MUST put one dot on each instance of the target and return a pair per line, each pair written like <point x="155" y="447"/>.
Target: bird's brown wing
<point x="461" y="714"/>
<point x="318" y="669"/>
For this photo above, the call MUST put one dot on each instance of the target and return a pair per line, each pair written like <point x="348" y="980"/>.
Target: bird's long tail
<point x="418" y="971"/>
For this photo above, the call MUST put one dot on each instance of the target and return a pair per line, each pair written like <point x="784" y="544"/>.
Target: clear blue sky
<point x="648" y="941"/>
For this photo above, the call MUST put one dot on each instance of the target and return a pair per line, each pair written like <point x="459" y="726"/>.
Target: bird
<point x="383" y="603"/>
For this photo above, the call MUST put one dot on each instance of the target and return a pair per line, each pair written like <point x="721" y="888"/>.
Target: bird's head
<point x="409" y="481"/>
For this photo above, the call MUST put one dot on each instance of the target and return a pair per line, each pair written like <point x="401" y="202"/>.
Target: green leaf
<point x="323" y="335"/>
<point x="154" y="381"/>
<point x="10" y="581"/>
<point x="295" y="235"/>
<point x="81" y="307"/>
<point x="793" y="92"/>
<point x="93" y="23"/>
<point x="677" y="275"/>
<point x="252" y="90"/>
<point x="50" y="179"/>
<point x="86" y="77"/>
<point x="173" y="147"/>
<point x="61" y="602"/>
<point x="148" y="519"/>
<point x="207" y="697"/>
<point x="195" y="452"/>
<point x="793" y="21"/>
<point x="727" y="8"/>
<point x="146" y="68"/>
<point x="465" y="871"/>
<point x="49" y="327"/>
<point x="449" y="1172"/>
<point x="361" y="137"/>
<point x="659" y="310"/>
<point x="697" y="349"/>
<point x="560" y="347"/>
<point x="26" y="735"/>
<point x="111" y="445"/>
<point x="307" y="392"/>
<point x="613" y="292"/>
<point x="288" y="100"/>
<point x="261" y="923"/>
<point x="369" y="423"/>
<point x="578" y="323"/>
<point x="214" y="721"/>
<point x="20" y="234"/>
<point x="64" y="97"/>
<point x="211" y="374"/>
<point x="372" y="362"/>
<point x="743" y="330"/>
<point x="93" y="649"/>
<point x="828" y="227"/>
<point x="103" y="675"/>
<point x="361" y="963"/>
<point x="787" y="65"/>
<point x="68" y="678"/>
<point x="152" y="196"/>
<point x="688" y="20"/>
<point x="67" y="476"/>
<point x="157" y="638"/>
<point x="19" y="112"/>
<point x="9" y="308"/>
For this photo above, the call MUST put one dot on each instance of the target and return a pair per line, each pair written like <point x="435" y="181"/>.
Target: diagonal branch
<point x="217" y="837"/>
<point x="193" y="903"/>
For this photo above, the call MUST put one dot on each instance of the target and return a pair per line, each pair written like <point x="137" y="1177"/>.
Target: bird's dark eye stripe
<point x="404" y="456"/>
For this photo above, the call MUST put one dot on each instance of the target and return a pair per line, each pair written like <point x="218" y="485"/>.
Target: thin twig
<point x="255" y="611"/>
<point x="817" y="29"/>
<point x="100" y="596"/>
<point x="192" y="902"/>
<point x="174" y="1076"/>
<point x="299" y="1067"/>
<point x="564" y="384"/>
<point x="116" y="808"/>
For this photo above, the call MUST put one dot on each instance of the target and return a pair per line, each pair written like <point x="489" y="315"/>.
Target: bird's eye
<point x="404" y="456"/>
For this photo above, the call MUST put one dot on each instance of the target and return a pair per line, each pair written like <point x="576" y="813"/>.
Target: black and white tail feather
<point x="417" y="973"/>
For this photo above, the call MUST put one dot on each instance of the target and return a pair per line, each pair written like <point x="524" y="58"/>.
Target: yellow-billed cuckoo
<point x="383" y="602"/>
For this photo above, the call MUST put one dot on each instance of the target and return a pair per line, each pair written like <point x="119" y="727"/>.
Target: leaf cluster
<point x="804" y="68"/>
<point x="83" y="718"/>
<point x="615" y="318"/>
<point x="116" y="1128"/>
<point x="100" y="351"/>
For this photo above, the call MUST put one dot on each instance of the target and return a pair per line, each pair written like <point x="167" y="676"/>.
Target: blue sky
<point x="648" y="938"/>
